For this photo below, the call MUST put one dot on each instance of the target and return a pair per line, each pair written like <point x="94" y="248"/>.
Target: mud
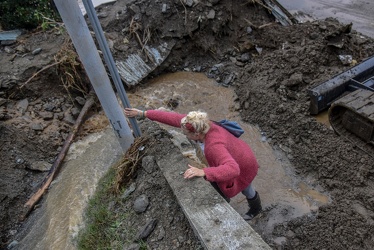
<point x="270" y="68"/>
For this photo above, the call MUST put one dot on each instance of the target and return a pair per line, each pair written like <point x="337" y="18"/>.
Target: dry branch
<point x="56" y="166"/>
<point x="128" y="164"/>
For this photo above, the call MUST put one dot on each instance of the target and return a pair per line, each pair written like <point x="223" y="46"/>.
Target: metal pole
<point x="88" y="54"/>
<point x="90" y="9"/>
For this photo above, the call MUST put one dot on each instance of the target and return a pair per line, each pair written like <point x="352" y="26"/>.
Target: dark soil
<point x="270" y="68"/>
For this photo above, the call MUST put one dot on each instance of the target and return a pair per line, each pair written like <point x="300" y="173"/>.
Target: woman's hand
<point x="132" y="112"/>
<point x="193" y="172"/>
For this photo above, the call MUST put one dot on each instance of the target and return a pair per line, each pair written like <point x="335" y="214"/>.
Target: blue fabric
<point x="249" y="192"/>
<point x="231" y="126"/>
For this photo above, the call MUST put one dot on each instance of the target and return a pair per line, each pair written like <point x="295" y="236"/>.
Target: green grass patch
<point x="105" y="219"/>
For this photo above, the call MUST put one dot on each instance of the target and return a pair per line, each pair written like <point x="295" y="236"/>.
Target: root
<point x="128" y="164"/>
<point x="70" y="68"/>
<point x="134" y="27"/>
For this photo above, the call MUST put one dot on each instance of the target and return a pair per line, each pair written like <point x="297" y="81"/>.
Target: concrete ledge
<point x="214" y="221"/>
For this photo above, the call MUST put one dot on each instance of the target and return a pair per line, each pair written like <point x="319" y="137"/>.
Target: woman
<point x="232" y="164"/>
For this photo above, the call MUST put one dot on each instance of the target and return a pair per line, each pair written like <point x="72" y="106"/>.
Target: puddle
<point x="278" y="186"/>
<point x="323" y="118"/>
<point x="309" y="194"/>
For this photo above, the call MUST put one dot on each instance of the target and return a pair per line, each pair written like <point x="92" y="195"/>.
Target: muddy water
<point x="323" y="118"/>
<point x="279" y="186"/>
<point x="359" y="12"/>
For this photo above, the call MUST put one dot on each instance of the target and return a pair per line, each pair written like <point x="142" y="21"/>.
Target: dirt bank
<point x="241" y="46"/>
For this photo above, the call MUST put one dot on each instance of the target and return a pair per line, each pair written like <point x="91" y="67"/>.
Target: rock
<point x="313" y="36"/>
<point x="40" y="166"/>
<point x="37" y="126"/>
<point x="228" y="79"/>
<point x="21" y="49"/>
<point x="49" y="106"/>
<point x="164" y="8"/>
<point x="295" y="79"/>
<point x="245" y="57"/>
<point x="141" y="203"/>
<point x="161" y="233"/>
<point x="80" y="100"/>
<point x="46" y="115"/>
<point x="146" y="230"/>
<point x="22" y="105"/>
<point x="75" y="112"/>
<point x="8" y="50"/>
<point x="36" y="51"/>
<point x="188" y="3"/>
<point x="69" y="119"/>
<point x="149" y="164"/>
<point x="129" y="190"/>
<point x="211" y="14"/>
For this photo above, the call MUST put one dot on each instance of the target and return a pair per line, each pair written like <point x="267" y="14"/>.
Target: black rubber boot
<point x="254" y="207"/>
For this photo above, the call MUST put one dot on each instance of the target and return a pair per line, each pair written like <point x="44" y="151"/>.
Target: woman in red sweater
<point x="232" y="164"/>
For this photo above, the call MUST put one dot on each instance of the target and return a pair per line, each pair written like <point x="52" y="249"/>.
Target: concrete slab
<point x="214" y="221"/>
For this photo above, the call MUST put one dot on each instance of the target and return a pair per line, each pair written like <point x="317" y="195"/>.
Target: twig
<point x="266" y="25"/>
<point x="185" y="12"/>
<point x="251" y="24"/>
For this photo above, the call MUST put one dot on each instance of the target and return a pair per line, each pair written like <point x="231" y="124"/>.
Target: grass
<point x="106" y="216"/>
<point x="104" y="226"/>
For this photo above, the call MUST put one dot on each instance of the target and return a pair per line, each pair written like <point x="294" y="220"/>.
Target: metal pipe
<point x="84" y="44"/>
<point x="90" y="9"/>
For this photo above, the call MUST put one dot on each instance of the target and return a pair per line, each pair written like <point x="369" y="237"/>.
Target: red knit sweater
<point x="232" y="164"/>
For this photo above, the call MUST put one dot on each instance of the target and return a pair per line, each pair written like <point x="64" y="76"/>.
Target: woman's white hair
<point x="198" y="120"/>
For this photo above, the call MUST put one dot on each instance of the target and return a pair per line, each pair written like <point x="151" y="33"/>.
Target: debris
<point x="128" y="164"/>
<point x="134" y="68"/>
<point x="10" y="35"/>
<point x="346" y="59"/>
<point x="280" y="13"/>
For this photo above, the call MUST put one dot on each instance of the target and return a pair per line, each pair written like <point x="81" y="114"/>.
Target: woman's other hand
<point x="193" y="172"/>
